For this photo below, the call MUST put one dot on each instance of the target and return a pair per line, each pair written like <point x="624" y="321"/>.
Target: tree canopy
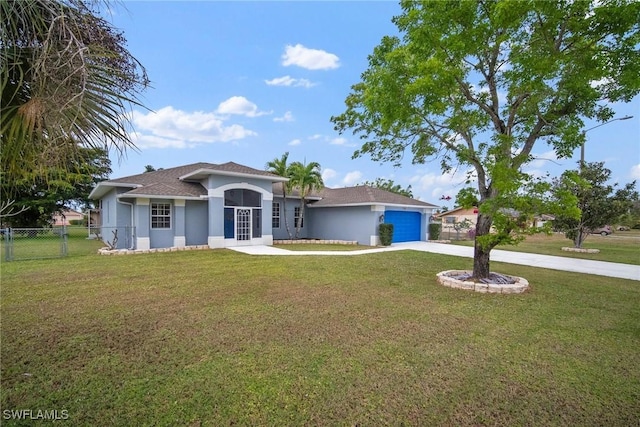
<point x="306" y="177"/>
<point x="600" y="202"/>
<point x="389" y="185"/>
<point x="281" y="167"/>
<point x="42" y="195"/>
<point x="476" y="84"/>
<point x="67" y="83"/>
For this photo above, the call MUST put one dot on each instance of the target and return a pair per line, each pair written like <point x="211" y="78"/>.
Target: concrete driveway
<point x="600" y="268"/>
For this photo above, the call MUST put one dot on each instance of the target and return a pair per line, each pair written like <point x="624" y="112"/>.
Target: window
<point x="160" y="215"/>
<point x="450" y="220"/>
<point x="242" y="197"/>
<point x="275" y="215"/>
<point x="296" y="217"/>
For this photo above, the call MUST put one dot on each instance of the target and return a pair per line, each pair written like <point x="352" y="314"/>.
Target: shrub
<point x="434" y="230"/>
<point x="386" y="234"/>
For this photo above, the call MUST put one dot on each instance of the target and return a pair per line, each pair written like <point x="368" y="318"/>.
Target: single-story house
<point x="457" y="215"/>
<point x="450" y="218"/>
<point x="223" y="205"/>
<point x="66" y="216"/>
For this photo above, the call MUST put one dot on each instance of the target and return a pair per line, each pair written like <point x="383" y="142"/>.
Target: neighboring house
<point x="222" y="205"/>
<point x="449" y="218"/>
<point x="66" y="216"/>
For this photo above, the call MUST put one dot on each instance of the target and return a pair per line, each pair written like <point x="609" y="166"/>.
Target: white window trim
<point x="151" y="216"/>
<point x="279" y="216"/>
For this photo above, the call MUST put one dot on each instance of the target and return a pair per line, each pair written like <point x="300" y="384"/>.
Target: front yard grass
<point x="220" y="338"/>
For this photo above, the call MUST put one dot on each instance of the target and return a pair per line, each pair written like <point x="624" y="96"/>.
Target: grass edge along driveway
<point x="220" y="338"/>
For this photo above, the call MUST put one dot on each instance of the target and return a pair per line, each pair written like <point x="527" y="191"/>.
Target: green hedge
<point x="386" y="234"/>
<point x="434" y="230"/>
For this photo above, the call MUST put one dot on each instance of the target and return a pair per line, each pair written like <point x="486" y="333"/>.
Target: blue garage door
<point x="406" y="225"/>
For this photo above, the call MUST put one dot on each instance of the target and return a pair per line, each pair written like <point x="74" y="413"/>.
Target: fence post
<point x="63" y="235"/>
<point x="8" y="244"/>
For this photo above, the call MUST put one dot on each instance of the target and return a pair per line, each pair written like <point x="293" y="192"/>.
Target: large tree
<point x="599" y="201"/>
<point x="306" y="177"/>
<point x="40" y="195"/>
<point x="67" y="83"/>
<point x="479" y="83"/>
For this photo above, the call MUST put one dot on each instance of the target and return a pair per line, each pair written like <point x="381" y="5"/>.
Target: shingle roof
<point x="174" y="182"/>
<point x="168" y="182"/>
<point x="363" y="195"/>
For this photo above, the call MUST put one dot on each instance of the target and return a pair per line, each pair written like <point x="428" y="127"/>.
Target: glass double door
<point x="242" y="224"/>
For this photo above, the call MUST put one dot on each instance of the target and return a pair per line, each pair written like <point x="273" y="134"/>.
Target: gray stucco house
<point x="223" y="205"/>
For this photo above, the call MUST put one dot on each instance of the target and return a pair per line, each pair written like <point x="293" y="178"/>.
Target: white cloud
<point x="328" y="174"/>
<point x="635" y="172"/>
<point x="169" y="127"/>
<point x="288" y="117"/>
<point x="352" y="178"/>
<point x="295" y="142"/>
<point x="316" y="136"/>
<point x="290" y="81"/>
<point x="241" y="106"/>
<point x="311" y="59"/>
<point x="436" y="185"/>
<point x="338" y="141"/>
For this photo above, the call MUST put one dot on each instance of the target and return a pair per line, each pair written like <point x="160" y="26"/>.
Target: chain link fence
<point x="59" y="241"/>
<point x="33" y="243"/>
<point x="453" y="234"/>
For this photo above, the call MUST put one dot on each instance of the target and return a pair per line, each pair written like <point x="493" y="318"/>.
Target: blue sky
<point x="248" y="81"/>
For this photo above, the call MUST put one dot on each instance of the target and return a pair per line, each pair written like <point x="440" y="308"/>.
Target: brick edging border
<point x="444" y="279"/>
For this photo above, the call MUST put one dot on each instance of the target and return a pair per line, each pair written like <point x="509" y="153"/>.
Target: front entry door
<point x="243" y="224"/>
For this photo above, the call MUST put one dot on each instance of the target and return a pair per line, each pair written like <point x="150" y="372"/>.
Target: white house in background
<point x="223" y="205"/>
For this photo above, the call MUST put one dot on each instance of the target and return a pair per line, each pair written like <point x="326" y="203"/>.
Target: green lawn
<point x="622" y="246"/>
<point x="219" y="338"/>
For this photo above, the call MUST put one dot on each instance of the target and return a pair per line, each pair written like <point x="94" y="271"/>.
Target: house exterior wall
<point x="115" y="218"/>
<point x="292" y="204"/>
<point x="196" y="222"/>
<point x="163" y="238"/>
<point x="358" y="223"/>
<point x="217" y="185"/>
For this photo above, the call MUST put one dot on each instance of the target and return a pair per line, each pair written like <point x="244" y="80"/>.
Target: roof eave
<point x="159" y="196"/>
<point x="104" y="187"/>
<point x="394" y="205"/>
<point x="203" y="173"/>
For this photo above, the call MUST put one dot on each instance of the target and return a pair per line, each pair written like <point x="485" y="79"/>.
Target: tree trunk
<point x="299" y="226"/>
<point x="480" y="253"/>
<point x="580" y="236"/>
<point x="284" y="210"/>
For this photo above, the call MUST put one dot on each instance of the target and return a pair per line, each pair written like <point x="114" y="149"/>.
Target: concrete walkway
<point x="600" y="268"/>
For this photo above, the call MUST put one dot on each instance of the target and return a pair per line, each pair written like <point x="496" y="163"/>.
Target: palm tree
<point x="307" y="178"/>
<point x="67" y="83"/>
<point x="281" y="168"/>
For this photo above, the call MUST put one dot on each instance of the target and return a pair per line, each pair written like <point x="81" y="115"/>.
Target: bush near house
<point x="386" y="234"/>
<point x="434" y="231"/>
